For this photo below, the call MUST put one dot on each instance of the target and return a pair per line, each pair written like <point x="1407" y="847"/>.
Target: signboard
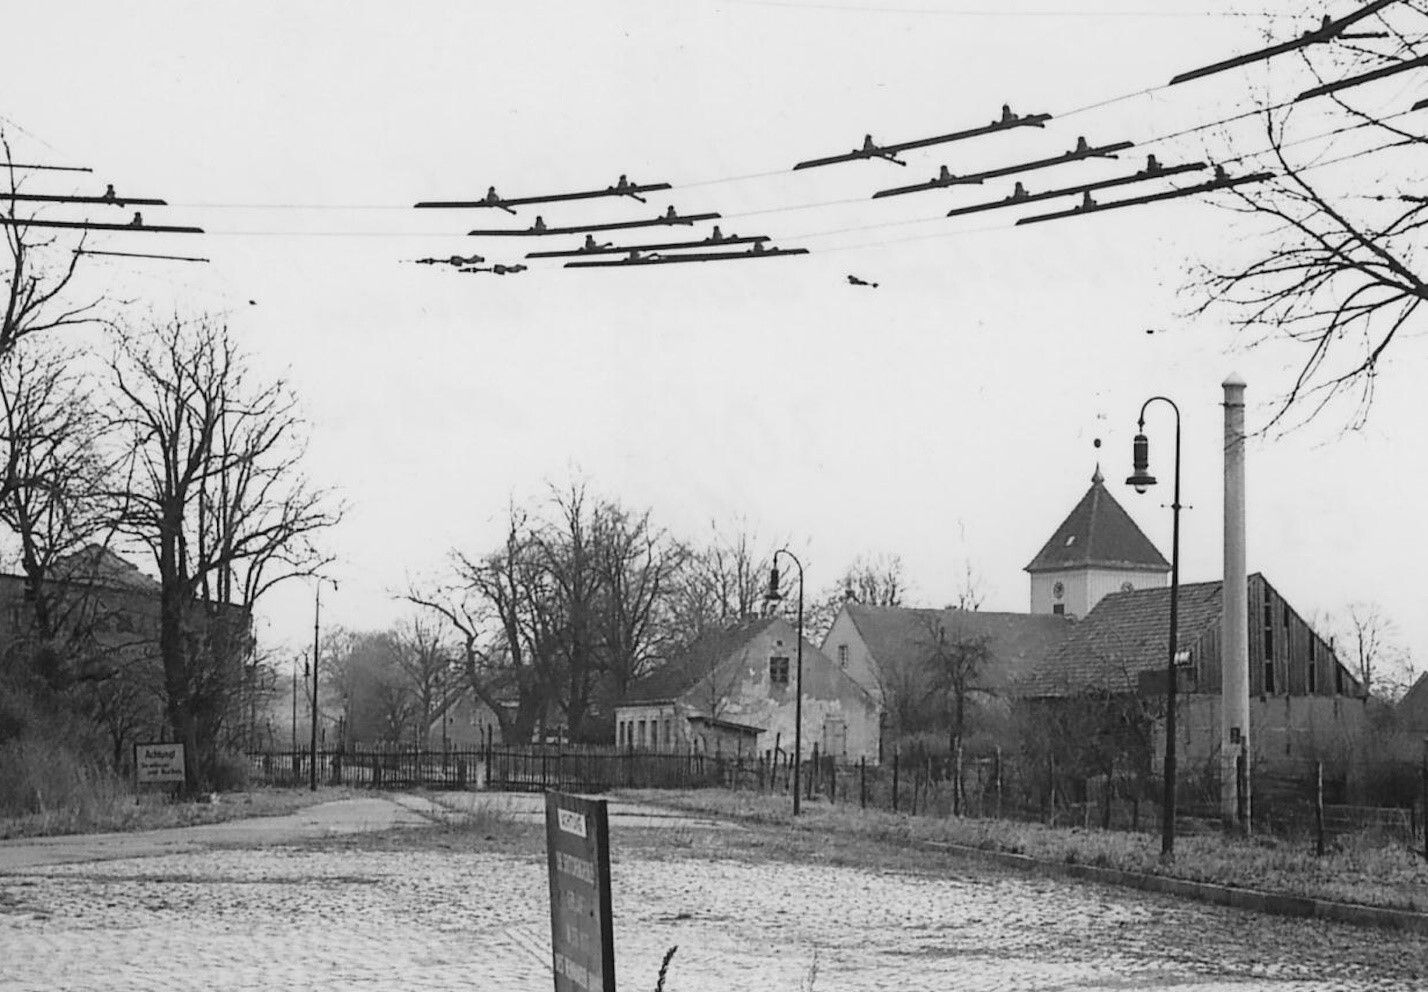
<point x="577" y="844"/>
<point x="158" y="763"/>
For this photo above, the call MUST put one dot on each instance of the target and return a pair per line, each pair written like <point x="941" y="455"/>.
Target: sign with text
<point x="582" y="937"/>
<point x="156" y="763"/>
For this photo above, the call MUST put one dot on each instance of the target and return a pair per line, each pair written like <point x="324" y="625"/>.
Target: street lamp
<point x="316" y="614"/>
<point x="1143" y="480"/>
<point x="774" y="596"/>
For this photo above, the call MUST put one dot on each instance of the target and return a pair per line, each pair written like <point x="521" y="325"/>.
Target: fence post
<point x="1319" y="809"/>
<point x="957" y="776"/>
<point x="1425" y="807"/>
<point x="812" y="773"/>
<point x="895" y="763"/>
<point x="998" y="773"/>
<point x="863" y="782"/>
<point x="1241" y="771"/>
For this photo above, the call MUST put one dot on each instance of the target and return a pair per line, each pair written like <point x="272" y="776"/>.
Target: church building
<point x="1098" y="549"/>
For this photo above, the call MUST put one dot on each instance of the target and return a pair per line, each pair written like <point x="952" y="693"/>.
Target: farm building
<point x="733" y="690"/>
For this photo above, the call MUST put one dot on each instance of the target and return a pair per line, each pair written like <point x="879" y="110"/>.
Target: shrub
<point x="229" y="773"/>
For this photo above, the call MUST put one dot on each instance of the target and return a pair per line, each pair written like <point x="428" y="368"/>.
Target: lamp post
<point x="775" y="596"/>
<point x="295" y="678"/>
<point x="1143" y="480"/>
<point x="316" y="616"/>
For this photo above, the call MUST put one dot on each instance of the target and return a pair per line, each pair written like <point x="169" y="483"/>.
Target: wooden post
<point x="957" y="777"/>
<point x="863" y="782"/>
<point x="894" y="791"/>
<point x="998" y="772"/>
<point x="1241" y="788"/>
<point x="812" y="772"/>
<point x="1425" y="806"/>
<point x="1319" y="809"/>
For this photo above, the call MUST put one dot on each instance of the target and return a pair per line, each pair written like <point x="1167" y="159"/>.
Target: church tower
<point x="1098" y="549"/>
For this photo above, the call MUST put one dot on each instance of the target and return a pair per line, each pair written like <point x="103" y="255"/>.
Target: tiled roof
<point x="1125" y="634"/>
<point x="95" y="564"/>
<point x="896" y="635"/>
<point x="1098" y="533"/>
<point x="682" y="672"/>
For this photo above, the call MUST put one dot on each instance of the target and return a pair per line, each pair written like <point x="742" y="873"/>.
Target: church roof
<point x="1098" y="533"/>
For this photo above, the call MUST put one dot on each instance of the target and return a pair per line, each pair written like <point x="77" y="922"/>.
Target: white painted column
<point x="1234" y="627"/>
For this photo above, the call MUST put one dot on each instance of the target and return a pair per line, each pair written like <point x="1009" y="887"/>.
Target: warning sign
<point x="577" y="837"/>
<point x="156" y="763"/>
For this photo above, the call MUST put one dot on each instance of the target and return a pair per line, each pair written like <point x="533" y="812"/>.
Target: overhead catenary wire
<point x="85" y="225"/>
<point x="1341" y="84"/>
<point x="1326" y="32"/>
<point x="139" y="254"/>
<point x="992" y="12"/>
<point x="33" y="167"/>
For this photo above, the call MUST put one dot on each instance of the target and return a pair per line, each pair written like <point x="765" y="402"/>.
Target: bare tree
<point x="488" y="604"/>
<point x="722" y="581"/>
<point x="638" y="568"/>
<point x="1337" y="277"/>
<point x="52" y="500"/>
<point x="37" y="291"/>
<point x="955" y="660"/>
<point x="422" y="659"/>
<point x="214" y="491"/>
<point x="1370" y="642"/>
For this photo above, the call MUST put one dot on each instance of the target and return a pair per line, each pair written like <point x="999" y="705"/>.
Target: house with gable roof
<point x="732" y="691"/>
<point x="885" y="648"/>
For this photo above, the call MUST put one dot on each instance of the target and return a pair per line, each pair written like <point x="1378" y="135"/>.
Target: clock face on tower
<point x="1058" y="590"/>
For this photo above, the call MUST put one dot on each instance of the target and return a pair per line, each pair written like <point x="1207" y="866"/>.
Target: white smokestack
<point x="1234" y="627"/>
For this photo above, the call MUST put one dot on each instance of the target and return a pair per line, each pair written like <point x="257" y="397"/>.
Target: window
<point x="642" y="733"/>
<point x="1269" y="676"/>
<point x="778" y="671"/>
<point x="668" y="732"/>
<point x="843" y="655"/>
<point x="1313" y="671"/>
<point x="1286" y="614"/>
<point x="1058" y="608"/>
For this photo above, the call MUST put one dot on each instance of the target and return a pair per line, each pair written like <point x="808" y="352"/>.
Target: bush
<point x="45" y="778"/>
<point x="229" y="773"/>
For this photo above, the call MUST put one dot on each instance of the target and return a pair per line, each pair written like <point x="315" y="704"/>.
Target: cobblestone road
<point x="288" y="918"/>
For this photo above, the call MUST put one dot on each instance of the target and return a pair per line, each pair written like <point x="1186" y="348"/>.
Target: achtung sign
<point x="577" y="843"/>
<point x="157" y="763"/>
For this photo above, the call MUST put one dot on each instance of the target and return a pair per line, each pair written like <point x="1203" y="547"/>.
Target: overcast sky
<point x="947" y="415"/>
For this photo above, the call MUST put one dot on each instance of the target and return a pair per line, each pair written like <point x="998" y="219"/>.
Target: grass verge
<point x="115" y="810"/>
<point x="1358" y="871"/>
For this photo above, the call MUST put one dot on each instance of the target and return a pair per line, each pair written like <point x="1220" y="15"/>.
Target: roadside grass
<point x="1357" y="870"/>
<point x="108" y="806"/>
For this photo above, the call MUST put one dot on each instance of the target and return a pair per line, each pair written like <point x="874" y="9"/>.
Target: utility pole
<point x="316" y="613"/>
<point x="295" y="677"/>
